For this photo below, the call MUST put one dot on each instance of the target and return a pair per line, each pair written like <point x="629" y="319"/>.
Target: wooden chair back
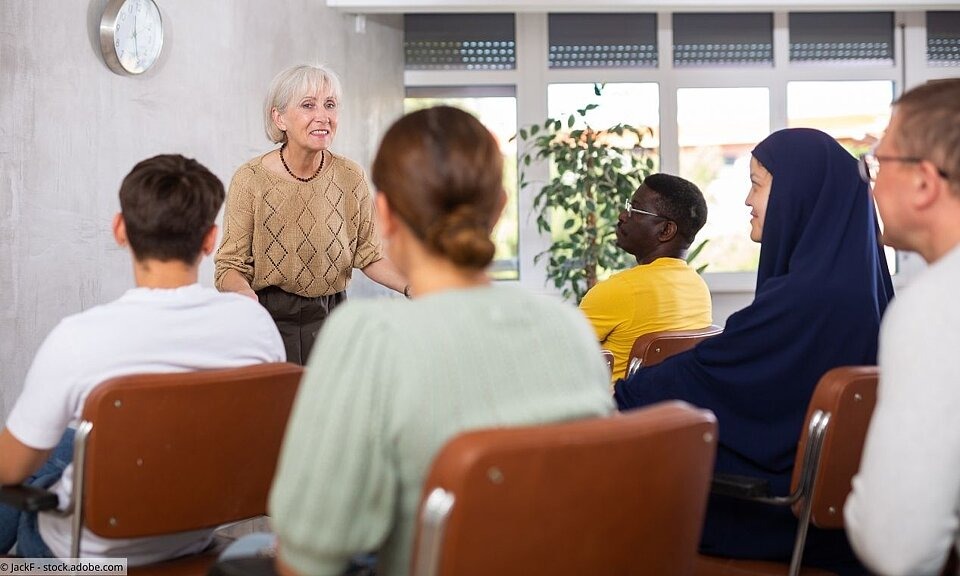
<point x="620" y="495"/>
<point x="655" y="347"/>
<point x="828" y="456"/>
<point x="608" y="358"/>
<point x="162" y="453"/>
<point x="847" y="396"/>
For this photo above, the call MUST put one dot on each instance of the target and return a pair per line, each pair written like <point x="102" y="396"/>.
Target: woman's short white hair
<point x="292" y="84"/>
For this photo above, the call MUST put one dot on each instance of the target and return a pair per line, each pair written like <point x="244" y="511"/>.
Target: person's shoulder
<point x="930" y="293"/>
<point x="346" y="171"/>
<point x="215" y="297"/>
<point x="367" y="323"/>
<point x="376" y="313"/>
<point x="546" y="307"/>
<point x="249" y="171"/>
<point x="615" y="285"/>
<point x="344" y="164"/>
<point x="95" y="315"/>
<point x="231" y="305"/>
<point x="87" y="328"/>
<point x="669" y="264"/>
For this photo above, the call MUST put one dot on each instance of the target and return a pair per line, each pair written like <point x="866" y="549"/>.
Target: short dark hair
<point x="168" y="203"/>
<point x="681" y="201"/>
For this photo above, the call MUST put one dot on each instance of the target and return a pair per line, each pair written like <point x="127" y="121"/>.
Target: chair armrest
<point x="28" y="498"/>
<point x="248" y="566"/>
<point x="743" y="487"/>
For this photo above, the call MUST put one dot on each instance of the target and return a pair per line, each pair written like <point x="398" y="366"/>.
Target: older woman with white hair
<point x="300" y="218"/>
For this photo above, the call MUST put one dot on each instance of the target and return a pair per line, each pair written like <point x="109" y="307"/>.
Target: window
<point x="854" y="112"/>
<point x="635" y="104"/>
<point x="729" y="39"/>
<point x="459" y="41"/>
<point x="943" y="38"/>
<point x="603" y="40"/>
<point x="496" y="107"/>
<point x="718" y="127"/>
<point x="853" y="37"/>
<point x="719" y="80"/>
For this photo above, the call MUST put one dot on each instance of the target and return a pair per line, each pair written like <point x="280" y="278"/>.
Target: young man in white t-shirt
<point x="168" y="323"/>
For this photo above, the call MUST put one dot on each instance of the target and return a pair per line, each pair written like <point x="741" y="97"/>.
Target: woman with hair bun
<point x="390" y="381"/>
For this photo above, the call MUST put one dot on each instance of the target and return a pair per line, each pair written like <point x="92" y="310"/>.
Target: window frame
<point x="533" y="74"/>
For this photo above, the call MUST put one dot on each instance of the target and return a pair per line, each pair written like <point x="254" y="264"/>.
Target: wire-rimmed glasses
<point x="631" y="210"/>
<point x="869" y="165"/>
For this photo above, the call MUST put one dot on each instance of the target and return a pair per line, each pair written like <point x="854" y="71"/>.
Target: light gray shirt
<point x="902" y="516"/>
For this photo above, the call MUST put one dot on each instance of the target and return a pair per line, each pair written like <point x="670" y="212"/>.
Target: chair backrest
<point x="182" y="451"/>
<point x="654" y="347"/>
<point x="837" y="420"/>
<point x="620" y="495"/>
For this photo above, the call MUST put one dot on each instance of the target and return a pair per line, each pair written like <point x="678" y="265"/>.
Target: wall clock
<point x="131" y="35"/>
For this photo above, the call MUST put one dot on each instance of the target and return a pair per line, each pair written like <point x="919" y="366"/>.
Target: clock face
<point x="134" y="31"/>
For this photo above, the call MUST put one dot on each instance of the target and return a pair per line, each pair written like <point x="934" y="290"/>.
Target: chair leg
<point x="818" y="431"/>
<point x="798" y="546"/>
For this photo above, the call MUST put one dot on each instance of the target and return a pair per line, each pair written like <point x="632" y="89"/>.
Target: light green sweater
<point x="389" y="383"/>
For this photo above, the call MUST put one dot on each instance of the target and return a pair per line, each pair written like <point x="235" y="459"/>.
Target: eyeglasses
<point x="630" y="210"/>
<point x="869" y="165"/>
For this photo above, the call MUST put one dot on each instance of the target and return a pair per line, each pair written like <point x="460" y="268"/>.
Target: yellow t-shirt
<point x="666" y="294"/>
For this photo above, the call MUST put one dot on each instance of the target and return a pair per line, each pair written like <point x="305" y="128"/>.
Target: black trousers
<point x="298" y="318"/>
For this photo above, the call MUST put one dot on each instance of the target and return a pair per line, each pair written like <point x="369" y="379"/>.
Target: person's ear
<point x="668" y="231"/>
<point x="119" y="230"/>
<point x="385" y="216"/>
<point x="210" y="240"/>
<point x="278" y="119"/>
<point x="928" y="185"/>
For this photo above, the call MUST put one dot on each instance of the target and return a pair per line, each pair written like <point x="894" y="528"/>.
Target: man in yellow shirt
<point x="661" y="292"/>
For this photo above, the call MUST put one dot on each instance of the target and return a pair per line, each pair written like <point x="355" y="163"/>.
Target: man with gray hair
<point x="902" y="516"/>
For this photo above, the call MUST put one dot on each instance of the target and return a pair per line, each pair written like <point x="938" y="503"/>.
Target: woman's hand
<point x="233" y="281"/>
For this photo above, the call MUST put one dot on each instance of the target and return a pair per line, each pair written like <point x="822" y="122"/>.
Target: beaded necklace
<point x="290" y="172"/>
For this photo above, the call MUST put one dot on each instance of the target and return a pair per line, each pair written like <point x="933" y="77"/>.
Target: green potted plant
<point x="594" y="171"/>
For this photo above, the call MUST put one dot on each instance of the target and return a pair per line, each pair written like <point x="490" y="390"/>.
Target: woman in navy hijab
<point x="822" y="286"/>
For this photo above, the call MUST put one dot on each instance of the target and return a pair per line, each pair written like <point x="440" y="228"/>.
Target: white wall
<point x="70" y="130"/>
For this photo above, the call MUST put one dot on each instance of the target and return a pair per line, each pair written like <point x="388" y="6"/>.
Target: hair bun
<point x="463" y="236"/>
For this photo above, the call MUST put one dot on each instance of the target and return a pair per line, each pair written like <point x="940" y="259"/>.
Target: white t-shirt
<point x="144" y="331"/>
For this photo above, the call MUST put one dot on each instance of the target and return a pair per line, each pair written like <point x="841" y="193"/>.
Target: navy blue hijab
<point x="822" y="286"/>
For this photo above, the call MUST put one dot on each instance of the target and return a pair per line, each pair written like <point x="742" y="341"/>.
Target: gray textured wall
<point x="70" y="129"/>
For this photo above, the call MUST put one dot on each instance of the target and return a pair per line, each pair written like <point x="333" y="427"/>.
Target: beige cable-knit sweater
<point x="304" y="238"/>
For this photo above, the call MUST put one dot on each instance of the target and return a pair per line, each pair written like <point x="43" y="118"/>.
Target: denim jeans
<point x="21" y="527"/>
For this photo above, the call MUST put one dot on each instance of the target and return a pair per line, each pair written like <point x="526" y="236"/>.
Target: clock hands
<point x="134" y="40"/>
<point x="136" y="44"/>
